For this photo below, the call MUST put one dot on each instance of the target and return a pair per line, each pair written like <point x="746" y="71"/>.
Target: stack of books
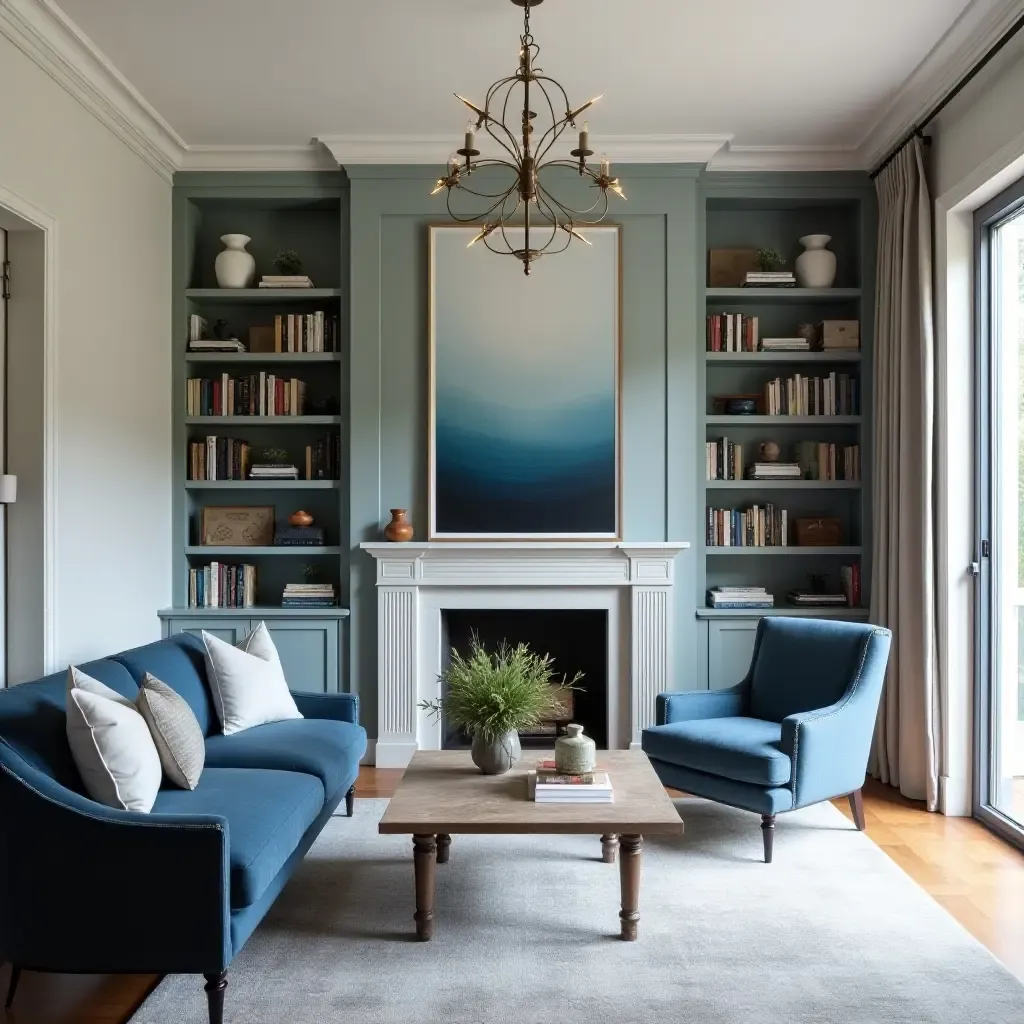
<point x="273" y="471"/>
<point x="740" y="597"/>
<point x="769" y="279"/>
<point x="548" y="786"/>
<point x="785" y="345"/>
<point x="308" y="595"/>
<point x="285" y="281"/>
<point x="198" y="342"/>
<point x="299" y="536"/>
<point x="776" y="471"/>
<point x="809" y="599"/>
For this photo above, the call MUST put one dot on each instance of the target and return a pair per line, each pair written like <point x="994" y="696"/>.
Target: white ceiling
<point x="259" y="72"/>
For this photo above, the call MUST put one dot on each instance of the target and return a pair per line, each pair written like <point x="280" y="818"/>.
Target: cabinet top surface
<point x="271" y="612"/>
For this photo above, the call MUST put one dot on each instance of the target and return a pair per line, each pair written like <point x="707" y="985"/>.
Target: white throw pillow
<point x="247" y="682"/>
<point x="172" y="724"/>
<point x="111" y="745"/>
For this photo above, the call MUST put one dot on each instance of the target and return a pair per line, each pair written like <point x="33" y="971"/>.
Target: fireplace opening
<point x="576" y="639"/>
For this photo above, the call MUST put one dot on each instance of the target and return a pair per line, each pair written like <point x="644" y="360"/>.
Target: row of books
<point x="740" y="597"/>
<point x="218" y="585"/>
<point x="258" y="394"/>
<point x="732" y="332"/>
<point x="308" y="595"/>
<point x="821" y="460"/>
<point x="306" y="332"/>
<point x="228" y="458"/>
<point x="760" y="526"/>
<point x="834" y="395"/>
<point x="723" y="460"/>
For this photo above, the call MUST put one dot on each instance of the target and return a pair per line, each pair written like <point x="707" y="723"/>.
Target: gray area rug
<point x="525" y="932"/>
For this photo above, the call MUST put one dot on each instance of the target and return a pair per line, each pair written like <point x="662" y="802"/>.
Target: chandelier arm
<point x="572" y="213"/>
<point x="513" y="150"/>
<point x="544" y="144"/>
<point x="477" y="216"/>
<point x="502" y="221"/>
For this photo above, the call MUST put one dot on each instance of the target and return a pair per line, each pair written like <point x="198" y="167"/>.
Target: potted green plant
<point x="769" y="259"/>
<point x="288" y="263"/>
<point x="492" y="695"/>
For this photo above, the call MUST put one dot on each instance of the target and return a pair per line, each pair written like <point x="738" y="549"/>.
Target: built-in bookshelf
<point x="306" y="214"/>
<point x="738" y="215"/>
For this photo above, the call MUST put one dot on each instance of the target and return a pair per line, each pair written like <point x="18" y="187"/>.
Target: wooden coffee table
<point x="442" y="794"/>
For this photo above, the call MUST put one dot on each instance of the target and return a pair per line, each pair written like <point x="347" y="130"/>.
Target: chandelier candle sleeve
<point x="526" y="200"/>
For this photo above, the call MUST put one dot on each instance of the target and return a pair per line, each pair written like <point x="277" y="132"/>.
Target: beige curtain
<point x="905" y="752"/>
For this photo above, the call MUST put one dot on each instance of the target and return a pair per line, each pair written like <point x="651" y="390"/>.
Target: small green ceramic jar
<point x="575" y="753"/>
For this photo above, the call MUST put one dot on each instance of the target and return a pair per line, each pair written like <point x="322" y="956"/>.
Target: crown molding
<point x="52" y="41"/>
<point x="787" y="158"/>
<point x="978" y="28"/>
<point x="311" y="157"/>
<point x="434" y="149"/>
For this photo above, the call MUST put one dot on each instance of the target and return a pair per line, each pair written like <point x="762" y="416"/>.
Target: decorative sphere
<point x="770" y="451"/>
<point x="300" y="518"/>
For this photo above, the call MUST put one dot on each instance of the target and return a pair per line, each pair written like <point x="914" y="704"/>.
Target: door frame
<point x="987" y="218"/>
<point x="27" y="211"/>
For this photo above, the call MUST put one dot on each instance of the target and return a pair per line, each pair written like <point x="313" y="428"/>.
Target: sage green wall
<point x="662" y="338"/>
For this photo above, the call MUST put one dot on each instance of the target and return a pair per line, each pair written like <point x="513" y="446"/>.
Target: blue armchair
<point x="795" y="732"/>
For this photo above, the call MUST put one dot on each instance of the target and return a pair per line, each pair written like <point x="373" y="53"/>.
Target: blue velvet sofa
<point x="90" y="889"/>
<point x="797" y="730"/>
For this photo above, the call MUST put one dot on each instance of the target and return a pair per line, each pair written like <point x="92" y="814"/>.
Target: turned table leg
<point x="424" y="856"/>
<point x="444" y="844"/>
<point x="630" y="848"/>
<point x="609" y="847"/>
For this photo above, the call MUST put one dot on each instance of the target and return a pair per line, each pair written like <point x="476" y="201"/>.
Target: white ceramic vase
<point x="234" y="266"/>
<point x="816" y="265"/>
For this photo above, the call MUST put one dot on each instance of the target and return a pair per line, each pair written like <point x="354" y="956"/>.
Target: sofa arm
<point x="87" y="888"/>
<point x="337" y="707"/>
<point x="692" y="705"/>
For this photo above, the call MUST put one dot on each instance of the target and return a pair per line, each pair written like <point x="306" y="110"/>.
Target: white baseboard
<point x="394" y="753"/>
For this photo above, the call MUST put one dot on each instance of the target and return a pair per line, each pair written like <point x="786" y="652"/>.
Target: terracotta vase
<point x="300" y="518"/>
<point x="399" y="529"/>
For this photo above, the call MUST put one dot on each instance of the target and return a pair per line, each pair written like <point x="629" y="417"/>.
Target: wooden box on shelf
<point x="237" y="525"/>
<point x="727" y="268"/>
<point x="823" y="532"/>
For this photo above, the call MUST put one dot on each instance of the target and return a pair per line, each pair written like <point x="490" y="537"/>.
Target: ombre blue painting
<point x="525" y="389"/>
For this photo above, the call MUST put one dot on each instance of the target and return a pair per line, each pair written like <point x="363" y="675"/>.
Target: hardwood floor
<point x="978" y="878"/>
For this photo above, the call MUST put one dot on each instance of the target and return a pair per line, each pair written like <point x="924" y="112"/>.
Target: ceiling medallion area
<point x="546" y="223"/>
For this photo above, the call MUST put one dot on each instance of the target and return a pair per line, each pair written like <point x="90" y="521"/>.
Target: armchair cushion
<point x="743" y="749"/>
<point x="267" y="814"/>
<point x="329" y="751"/>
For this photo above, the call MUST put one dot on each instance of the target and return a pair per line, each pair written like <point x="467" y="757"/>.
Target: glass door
<point x="999" y="790"/>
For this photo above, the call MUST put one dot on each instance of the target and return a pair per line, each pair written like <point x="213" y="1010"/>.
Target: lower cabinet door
<point x="308" y="649"/>
<point x="231" y="631"/>
<point x="730" y="649"/>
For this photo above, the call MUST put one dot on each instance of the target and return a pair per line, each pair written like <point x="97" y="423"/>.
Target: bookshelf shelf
<point x="253" y="552"/>
<point x="262" y="357"/>
<point x="783" y="295"/>
<point x="262" y="421"/>
<point x="255" y="612"/>
<point x="792" y="550"/>
<point x="262" y="485"/>
<point x="244" y="296"/>
<point x="782" y="357"/>
<point x="781" y="421"/>
<point x="783" y="485"/>
<point x="758" y="613"/>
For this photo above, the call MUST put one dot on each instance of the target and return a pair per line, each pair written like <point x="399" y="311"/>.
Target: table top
<point x="443" y="792"/>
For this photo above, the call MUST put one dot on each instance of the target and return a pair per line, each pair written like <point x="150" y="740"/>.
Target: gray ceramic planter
<point x="495" y="757"/>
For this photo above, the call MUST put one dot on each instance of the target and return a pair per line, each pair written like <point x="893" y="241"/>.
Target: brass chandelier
<point x="528" y="205"/>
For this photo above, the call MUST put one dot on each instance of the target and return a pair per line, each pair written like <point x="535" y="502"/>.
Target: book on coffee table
<point x="547" y="787"/>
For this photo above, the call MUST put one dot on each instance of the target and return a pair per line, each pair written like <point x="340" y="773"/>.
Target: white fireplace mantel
<point x="632" y="582"/>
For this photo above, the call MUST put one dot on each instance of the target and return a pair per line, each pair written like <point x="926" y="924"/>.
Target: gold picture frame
<point x="237" y="526"/>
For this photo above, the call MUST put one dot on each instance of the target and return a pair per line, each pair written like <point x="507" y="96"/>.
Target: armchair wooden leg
<point x="12" y="986"/>
<point x="215" y="985"/>
<point x="768" y="834"/>
<point x="857" y="806"/>
<point x="350" y="801"/>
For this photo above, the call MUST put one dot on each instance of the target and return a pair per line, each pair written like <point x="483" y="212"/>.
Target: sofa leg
<point x="350" y="801"/>
<point x="768" y="834"/>
<point x="215" y="985"/>
<point x="12" y="987"/>
<point x="857" y="806"/>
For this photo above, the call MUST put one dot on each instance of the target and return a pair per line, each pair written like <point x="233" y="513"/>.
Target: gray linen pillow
<point x="176" y="732"/>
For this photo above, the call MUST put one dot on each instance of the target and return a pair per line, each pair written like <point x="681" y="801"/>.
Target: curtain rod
<point x="917" y="130"/>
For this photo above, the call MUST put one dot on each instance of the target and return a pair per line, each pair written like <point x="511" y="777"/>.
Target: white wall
<point x="113" y="359"/>
<point x="978" y="151"/>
